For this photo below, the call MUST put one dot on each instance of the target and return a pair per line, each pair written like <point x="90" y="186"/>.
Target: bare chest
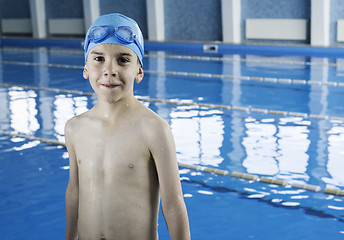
<point x="104" y="151"/>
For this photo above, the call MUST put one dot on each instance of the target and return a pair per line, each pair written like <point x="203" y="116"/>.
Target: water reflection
<point x="231" y="95"/>
<point x="261" y="148"/>
<point x="26" y="112"/>
<point x="23" y="111"/>
<point x="293" y="145"/>
<point x="26" y="146"/>
<point x="66" y="107"/>
<point x="198" y="135"/>
<point x="335" y="164"/>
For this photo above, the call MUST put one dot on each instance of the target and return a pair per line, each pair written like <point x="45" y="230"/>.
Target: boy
<point x="122" y="155"/>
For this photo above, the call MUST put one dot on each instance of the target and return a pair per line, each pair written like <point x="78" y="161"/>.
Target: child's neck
<point x="114" y="110"/>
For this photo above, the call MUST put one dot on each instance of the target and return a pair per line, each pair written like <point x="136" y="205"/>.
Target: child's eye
<point x="123" y="60"/>
<point x="99" y="59"/>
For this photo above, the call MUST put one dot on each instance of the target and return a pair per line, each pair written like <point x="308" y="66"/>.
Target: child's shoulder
<point x="150" y="118"/>
<point x="152" y="122"/>
<point x="75" y="122"/>
<point x="156" y="131"/>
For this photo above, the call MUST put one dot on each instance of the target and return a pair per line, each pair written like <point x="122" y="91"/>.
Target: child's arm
<point x="172" y="201"/>
<point x="72" y="192"/>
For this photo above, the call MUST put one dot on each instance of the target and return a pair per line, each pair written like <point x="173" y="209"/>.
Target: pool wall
<point x="225" y="21"/>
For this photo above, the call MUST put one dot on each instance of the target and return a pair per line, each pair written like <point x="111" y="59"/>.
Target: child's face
<point x="112" y="70"/>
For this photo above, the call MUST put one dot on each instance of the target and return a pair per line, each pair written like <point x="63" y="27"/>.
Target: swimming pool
<point x="280" y="117"/>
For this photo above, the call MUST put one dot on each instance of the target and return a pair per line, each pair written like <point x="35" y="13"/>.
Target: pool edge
<point x="191" y="47"/>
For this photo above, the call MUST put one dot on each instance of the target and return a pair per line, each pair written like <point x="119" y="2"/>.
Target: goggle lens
<point x="124" y="34"/>
<point x="98" y="34"/>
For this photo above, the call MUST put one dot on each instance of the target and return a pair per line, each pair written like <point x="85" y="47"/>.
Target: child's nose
<point x="110" y="70"/>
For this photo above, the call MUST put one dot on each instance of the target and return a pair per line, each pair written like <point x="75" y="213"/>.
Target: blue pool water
<point x="286" y="121"/>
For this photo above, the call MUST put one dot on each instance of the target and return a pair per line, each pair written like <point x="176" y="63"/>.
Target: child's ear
<point x="85" y="73"/>
<point x="139" y="75"/>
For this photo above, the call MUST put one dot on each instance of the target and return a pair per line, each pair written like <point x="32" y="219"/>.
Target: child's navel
<point x="131" y="165"/>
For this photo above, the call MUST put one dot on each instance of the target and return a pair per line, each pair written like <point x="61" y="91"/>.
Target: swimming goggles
<point x="124" y="34"/>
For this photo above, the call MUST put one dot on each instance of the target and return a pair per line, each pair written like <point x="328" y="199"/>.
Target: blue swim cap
<point x="115" y="20"/>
